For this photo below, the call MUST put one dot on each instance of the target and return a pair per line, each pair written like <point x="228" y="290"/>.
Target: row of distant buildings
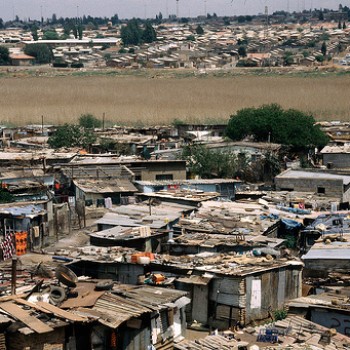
<point x="180" y="47"/>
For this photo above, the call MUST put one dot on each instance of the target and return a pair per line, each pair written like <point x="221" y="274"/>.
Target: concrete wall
<point x="338" y="160"/>
<point x="333" y="187"/>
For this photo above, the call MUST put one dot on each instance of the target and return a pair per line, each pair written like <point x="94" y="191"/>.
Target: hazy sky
<point x="149" y="8"/>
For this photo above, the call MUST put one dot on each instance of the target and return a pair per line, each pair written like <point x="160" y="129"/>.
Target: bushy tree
<point x="34" y="31"/>
<point x="88" y="121"/>
<point x="199" y="30"/>
<point x="4" y="56"/>
<point x="41" y="52"/>
<point x="271" y="122"/>
<point x="131" y="34"/>
<point x="69" y="135"/>
<point x="206" y="163"/>
<point x="149" y="34"/>
<point x="50" y="35"/>
<point x="242" y="51"/>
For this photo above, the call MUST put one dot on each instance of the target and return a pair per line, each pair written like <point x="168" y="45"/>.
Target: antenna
<point x="205" y="8"/>
<point x="177" y="8"/>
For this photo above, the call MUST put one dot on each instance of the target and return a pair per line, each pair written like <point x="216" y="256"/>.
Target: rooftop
<point x="300" y="174"/>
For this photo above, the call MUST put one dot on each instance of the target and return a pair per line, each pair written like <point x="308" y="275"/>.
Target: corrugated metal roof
<point x="105" y="186"/>
<point x="29" y="211"/>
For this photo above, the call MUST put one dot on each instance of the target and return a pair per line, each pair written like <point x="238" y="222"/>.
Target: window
<point x="138" y="178"/>
<point x="321" y="190"/>
<point x="164" y="177"/>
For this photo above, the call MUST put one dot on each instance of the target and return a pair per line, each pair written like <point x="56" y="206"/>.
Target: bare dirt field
<point x="154" y="98"/>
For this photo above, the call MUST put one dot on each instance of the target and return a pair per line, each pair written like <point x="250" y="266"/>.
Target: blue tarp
<point x="291" y="224"/>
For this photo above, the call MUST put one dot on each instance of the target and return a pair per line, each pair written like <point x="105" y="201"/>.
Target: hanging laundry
<point x="7" y="246"/>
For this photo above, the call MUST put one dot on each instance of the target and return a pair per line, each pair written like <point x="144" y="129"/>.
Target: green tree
<point x="191" y="38"/>
<point x="6" y="196"/>
<point x="4" y="56"/>
<point x="80" y="31"/>
<point x="242" y="51"/>
<point x="131" y="34"/>
<point x="115" y="19"/>
<point x="270" y="122"/>
<point x="149" y="34"/>
<point x="50" y="35"/>
<point x="41" y="52"/>
<point x="69" y="135"/>
<point x="88" y="121"/>
<point x="34" y="31"/>
<point x="207" y="164"/>
<point x="199" y="30"/>
<point x="324" y="49"/>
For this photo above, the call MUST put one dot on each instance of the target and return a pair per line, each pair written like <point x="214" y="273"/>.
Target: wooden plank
<point x="11" y="297"/>
<point x="24" y="316"/>
<point x="32" y="305"/>
<point x="61" y="313"/>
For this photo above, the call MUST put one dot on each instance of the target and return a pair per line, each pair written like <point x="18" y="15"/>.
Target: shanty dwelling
<point x="97" y="192"/>
<point x="141" y="238"/>
<point x="325" y="225"/>
<point x="93" y="185"/>
<point x="329" y="309"/>
<point x="131" y="317"/>
<point x="145" y="170"/>
<point x="157" y="216"/>
<point x="331" y="253"/>
<point x="23" y="227"/>
<point x="39" y="326"/>
<point x="247" y="293"/>
<point x="337" y="157"/>
<point x="226" y="187"/>
<point x="126" y="318"/>
<point x="330" y="185"/>
<point x="123" y="272"/>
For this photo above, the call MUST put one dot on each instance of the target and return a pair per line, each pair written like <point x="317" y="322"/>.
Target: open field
<point x="159" y="99"/>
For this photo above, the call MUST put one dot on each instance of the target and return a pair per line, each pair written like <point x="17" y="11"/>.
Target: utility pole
<point x="42" y="125"/>
<point x="103" y="121"/>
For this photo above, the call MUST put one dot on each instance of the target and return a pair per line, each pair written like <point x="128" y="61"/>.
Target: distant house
<point x="329" y="185"/>
<point x="21" y="60"/>
<point x="336" y="156"/>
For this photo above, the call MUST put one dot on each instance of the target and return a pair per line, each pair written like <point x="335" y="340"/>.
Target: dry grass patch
<point x="147" y="101"/>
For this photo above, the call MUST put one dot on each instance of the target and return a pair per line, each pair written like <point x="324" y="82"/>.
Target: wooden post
<point x="13" y="275"/>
